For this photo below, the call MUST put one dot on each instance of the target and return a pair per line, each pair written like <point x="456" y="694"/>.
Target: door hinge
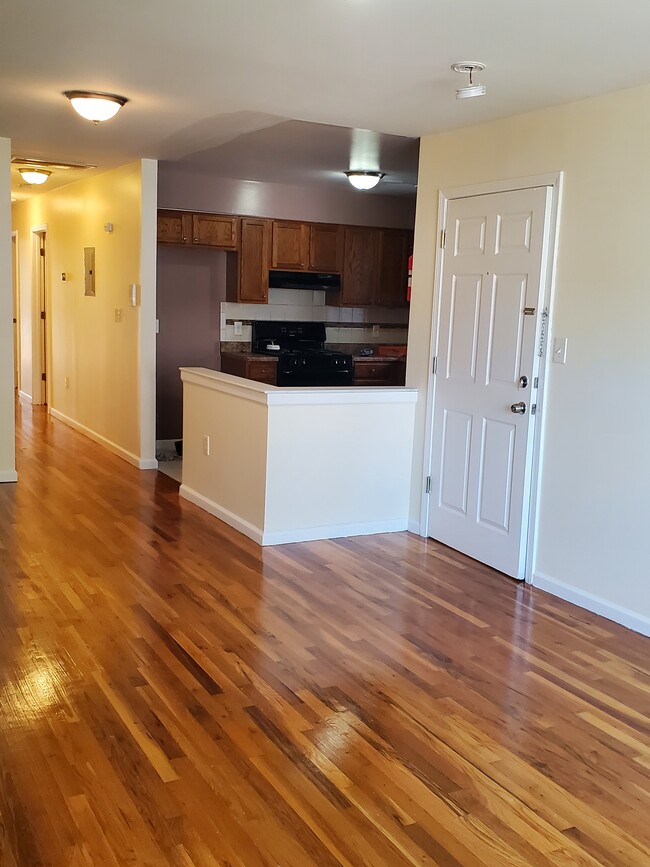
<point x="443" y="238"/>
<point x="42" y="314"/>
<point x="42" y="251"/>
<point x="427" y="486"/>
<point x="434" y="367"/>
<point x="533" y="409"/>
<point x="536" y="382"/>
<point x="43" y="377"/>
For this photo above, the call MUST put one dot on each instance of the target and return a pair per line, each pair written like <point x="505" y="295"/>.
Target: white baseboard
<point x="334" y="531"/>
<point x="414" y="527"/>
<point x="224" y="515"/>
<point x="24" y="396"/>
<point x="126" y="455"/>
<point x="610" y="610"/>
<point x="8" y="476"/>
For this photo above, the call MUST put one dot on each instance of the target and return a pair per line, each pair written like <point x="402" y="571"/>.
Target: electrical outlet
<point x="238" y="329"/>
<point x="118" y="314"/>
<point x="206" y="445"/>
<point x="375" y="329"/>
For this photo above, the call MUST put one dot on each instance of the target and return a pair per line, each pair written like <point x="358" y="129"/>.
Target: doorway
<point x="16" y="309"/>
<point x="41" y="348"/>
<point x="492" y="304"/>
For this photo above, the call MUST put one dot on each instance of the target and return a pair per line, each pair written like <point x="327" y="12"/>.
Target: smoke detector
<point x="469" y="67"/>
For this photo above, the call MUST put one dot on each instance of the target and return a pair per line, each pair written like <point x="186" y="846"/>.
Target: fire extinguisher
<point x="408" y="282"/>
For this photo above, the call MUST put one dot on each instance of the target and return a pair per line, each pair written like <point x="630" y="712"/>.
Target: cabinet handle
<point x="195" y="240"/>
<point x="184" y="238"/>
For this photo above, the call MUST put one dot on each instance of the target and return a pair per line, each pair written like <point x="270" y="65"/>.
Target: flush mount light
<point x="95" y="106"/>
<point x="34" y="175"/>
<point x="364" y="180"/>
<point x="469" y="67"/>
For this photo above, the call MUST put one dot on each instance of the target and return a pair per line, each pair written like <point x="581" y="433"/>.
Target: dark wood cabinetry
<point x="247" y="276"/>
<point x="290" y="246"/>
<point x="359" y="275"/>
<point x="261" y="370"/>
<point x="326" y="248"/>
<point x="174" y="227"/>
<point x="379" y="371"/>
<point x="215" y="231"/>
<point x="394" y="251"/>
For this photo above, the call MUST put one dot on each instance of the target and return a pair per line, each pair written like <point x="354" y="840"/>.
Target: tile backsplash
<point x="344" y="324"/>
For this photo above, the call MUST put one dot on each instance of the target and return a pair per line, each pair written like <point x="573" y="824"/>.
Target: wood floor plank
<point x="173" y="695"/>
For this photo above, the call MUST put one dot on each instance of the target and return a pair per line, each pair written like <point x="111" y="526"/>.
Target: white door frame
<point x="15" y="286"/>
<point x="554" y="180"/>
<point x="37" y="359"/>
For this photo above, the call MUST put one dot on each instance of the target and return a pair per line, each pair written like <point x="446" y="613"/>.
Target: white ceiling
<point x="199" y="73"/>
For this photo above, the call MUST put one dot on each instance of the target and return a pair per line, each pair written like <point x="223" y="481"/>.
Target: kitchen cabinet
<point x="247" y="271"/>
<point x="211" y="230"/>
<point x="360" y="266"/>
<point x="379" y="371"/>
<point x="394" y="251"/>
<point x="290" y="246"/>
<point x="326" y="248"/>
<point x="174" y="227"/>
<point x="261" y="370"/>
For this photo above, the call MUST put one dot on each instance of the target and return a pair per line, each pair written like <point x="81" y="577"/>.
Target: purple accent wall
<point x="190" y="288"/>
<point x="187" y="190"/>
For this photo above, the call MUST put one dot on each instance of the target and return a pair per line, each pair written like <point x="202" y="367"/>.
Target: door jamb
<point x="554" y="180"/>
<point x="15" y="287"/>
<point x="37" y="361"/>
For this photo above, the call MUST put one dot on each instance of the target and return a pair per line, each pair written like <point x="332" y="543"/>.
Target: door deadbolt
<point x="523" y="382"/>
<point x="518" y="408"/>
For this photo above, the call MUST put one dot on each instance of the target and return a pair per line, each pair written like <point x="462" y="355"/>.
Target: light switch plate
<point x="559" y="350"/>
<point x="238" y="329"/>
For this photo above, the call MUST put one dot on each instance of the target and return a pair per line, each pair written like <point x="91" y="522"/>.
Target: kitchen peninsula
<point x="295" y="464"/>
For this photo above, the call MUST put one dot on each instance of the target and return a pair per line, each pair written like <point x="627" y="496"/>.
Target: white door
<point x="486" y="367"/>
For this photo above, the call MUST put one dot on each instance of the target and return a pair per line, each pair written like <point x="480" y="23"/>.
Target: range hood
<point x="303" y="280"/>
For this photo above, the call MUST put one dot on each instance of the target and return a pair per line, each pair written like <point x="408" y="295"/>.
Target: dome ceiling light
<point x="95" y="106"/>
<point x="34" y="175"/>
<point x="469" y="67"/>
<point x="363" y="180"/>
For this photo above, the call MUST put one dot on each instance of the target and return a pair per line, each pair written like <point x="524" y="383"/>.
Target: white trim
<point x="414" y="527"/>
<point x="596" y="604"/>
<point x="146" y="301"/>
<point x="15" y="289"/>
<point x="225" y="515"/>
<point x="126" y="455"/>
<point x="37" y="360"/>
<point x="553" y="180"/>
<point x="24" y="396"/>
<point x="271" y="395"/>
<point x="334" y="531"/>
<point x="8" y="476"/>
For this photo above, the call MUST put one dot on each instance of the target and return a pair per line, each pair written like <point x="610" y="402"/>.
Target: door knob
<point x="518" y="408"/>
<point x="523" y="381"/>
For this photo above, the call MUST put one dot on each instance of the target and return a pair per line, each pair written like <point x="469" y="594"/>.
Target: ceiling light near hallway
<point x="34" y="175"/>
<point x="469" y="67"/>
<point x="95" y="106"/>
<point x="364" y="180"/>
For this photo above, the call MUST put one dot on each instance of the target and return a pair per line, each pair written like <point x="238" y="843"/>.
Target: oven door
<point x="313" y="371"/>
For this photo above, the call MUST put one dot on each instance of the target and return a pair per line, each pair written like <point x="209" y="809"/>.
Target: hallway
<point x="172" y="694"/>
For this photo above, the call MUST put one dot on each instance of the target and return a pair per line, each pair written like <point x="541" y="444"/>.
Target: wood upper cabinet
<point x="360" y="261"/>
<point x="174" y="227"/>
<point x="326" y="248"/>
<point x="248" y="271"/>
<point x="290" y="246"/>
<point x="212" y="230"/>
<point x="394" y="251"/>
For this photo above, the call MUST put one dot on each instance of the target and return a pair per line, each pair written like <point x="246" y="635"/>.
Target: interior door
<point x="486" y="375"/>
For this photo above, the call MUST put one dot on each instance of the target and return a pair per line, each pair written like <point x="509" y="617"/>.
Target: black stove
<point x="302" y="358"/>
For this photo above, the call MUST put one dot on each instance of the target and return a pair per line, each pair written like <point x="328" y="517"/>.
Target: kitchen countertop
<point x="251" y="356"/>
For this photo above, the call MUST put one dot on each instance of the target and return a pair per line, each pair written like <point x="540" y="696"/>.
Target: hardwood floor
<point x="171" y="694"/>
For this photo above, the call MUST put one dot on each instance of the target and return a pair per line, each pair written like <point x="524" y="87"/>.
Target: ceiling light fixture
<point x="364" y="180"/>
<point x="469" y="67"/>
<point x="95" y="106"/>
<point x="34" y="175"/>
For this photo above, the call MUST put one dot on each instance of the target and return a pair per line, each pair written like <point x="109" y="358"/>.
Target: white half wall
<point x="7" y="417"/>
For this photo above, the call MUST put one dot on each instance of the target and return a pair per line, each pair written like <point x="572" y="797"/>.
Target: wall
<point x="100" y="358"/>
<point x="593" y="528"/>
<point x="7" y="443"/>
<point x="178" y="187"/>
<point x="191" y="287"/>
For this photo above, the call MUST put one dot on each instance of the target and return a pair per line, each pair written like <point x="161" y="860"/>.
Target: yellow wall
<point x="7" y="448"/>
<point x="98" y="355"/>
<point x="593" y="534"/>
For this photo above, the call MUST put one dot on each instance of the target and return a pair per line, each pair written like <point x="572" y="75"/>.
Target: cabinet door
<point x="254" y="261"/>
<point x="325" y="248"/>
<point x="174" y="227"/>
<point x="359" y="276"/>
<point x="214" y="231"/>
<point x="290" y="246"/>
<point x="394" y="251"/>
<point x="373" y="371"/>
